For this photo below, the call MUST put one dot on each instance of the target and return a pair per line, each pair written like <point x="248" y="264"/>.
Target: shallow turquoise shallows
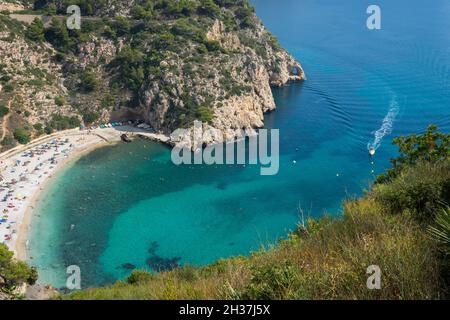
<point x="128" y="206"/>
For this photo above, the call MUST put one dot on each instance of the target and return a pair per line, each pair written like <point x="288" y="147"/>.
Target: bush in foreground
<point x="13" y="273"/>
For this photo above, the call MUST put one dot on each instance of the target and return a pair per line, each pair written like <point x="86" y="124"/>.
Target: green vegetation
<point x="13" y="273"/>
<point x="433" y="146"/>
<point x="22" y="135"/>
<point x="60" y="122"/>
<point x="58" y="35"/>
<point x="60" y="101"/>
<point x="35" y="31"/>
<point x="11" y="25"/>
<point x="89" y="81"/>
<point x="131" y="65"/>
<point x="138" y="276"/>
<point x="90" y="117"/>
<point x="163" y="39"/>
<point x="39" y="128"/>
<point x="8" y="87"/>
<point x="8" y="142"/>
<point x="402" y="226"/>
<point x="184" y="117"/>
<point x="441" y="230"/>
<point x="4" y="110"/>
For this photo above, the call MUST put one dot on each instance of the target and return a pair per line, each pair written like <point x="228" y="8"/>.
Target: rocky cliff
<point x="240" y="66"/>
<point x="168" y="62"/>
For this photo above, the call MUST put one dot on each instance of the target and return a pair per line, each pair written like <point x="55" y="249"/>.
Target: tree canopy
<point x="432" y="146"/>
<point x="14" y="273"/>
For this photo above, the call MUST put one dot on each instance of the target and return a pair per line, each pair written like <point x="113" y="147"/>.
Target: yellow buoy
<point x="372" y="151"/>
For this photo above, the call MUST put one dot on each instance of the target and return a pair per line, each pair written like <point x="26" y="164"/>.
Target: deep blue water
<point x="129" y="204"/>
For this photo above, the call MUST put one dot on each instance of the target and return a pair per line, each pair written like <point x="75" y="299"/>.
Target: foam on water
<point x="386" y="126"/>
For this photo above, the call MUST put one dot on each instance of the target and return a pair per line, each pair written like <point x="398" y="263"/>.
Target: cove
<point x="131" y="207"/>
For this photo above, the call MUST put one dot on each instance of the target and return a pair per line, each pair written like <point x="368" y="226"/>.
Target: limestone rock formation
<point x="249" y="72"/>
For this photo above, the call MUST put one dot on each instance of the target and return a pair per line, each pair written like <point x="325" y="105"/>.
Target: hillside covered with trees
<point x="167" y="62"/>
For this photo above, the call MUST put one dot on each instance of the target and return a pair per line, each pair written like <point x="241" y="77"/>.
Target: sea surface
<point x="128" y="206"/>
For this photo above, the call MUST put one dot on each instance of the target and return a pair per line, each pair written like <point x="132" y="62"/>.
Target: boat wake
<point x="386" y="127"/>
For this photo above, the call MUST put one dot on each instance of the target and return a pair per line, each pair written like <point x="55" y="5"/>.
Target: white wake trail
<point x="386" y="127"/>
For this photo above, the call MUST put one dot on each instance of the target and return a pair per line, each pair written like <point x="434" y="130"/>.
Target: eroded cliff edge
<point x="235" y="84"/>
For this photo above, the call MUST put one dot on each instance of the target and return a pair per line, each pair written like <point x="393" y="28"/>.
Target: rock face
<point x="170" y="64"/>
<point x="97" y="51"/>
<point x="239" y="93"/>
<point x="11" y="7"/>
<point x="35" y="81"/>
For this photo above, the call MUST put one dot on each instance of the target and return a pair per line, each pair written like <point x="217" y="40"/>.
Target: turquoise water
<point x="128" y="205"/>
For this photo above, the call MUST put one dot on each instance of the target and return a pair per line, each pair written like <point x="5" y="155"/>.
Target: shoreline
<point x="22" y="187"/>
<point x="21" y="247"/>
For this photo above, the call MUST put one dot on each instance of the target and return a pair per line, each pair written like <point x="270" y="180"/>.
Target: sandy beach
<point x="26" y="170"/>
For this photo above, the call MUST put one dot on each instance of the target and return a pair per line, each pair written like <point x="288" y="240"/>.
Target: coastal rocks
<point x="227" y="40"/>
<point x="118" y="8"/>
<point x="158" y="263"/>
<point x="221" y="75"/>
<point x="34" y="79"/>
<point x="156" y="104"/>
<point x="288" y="70"/>
<point x="11" y="7"/>
<point x="235" y="87"/>
<point x="128" y="266"/>
<point x="40" y="292"/>
<point x="242" y="112"/>
<point x="97" y="50"/>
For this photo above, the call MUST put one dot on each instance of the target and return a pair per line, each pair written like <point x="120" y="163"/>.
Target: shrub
<point x="131" y="65"/>
<point x="107" y="101"/>
<point x="139" y="12"/>
<point x="246" y="15"/>
<point x="420" y="191"/>
<point x="272" y="282"/>
<point x="60" y="101"/>
<point x="60" y="122"/>
<point x="139" y="277"/>
<point x="35" y="31"/>
<point x="120" y="26"/>
<point x="89" y="81"/>
<point x="8" y="87"/>
<point x="58" y="35"/>
<point x="90" y="117"/>
<point x="48" y="129"/>
<point x="39" y="128"/>
<point x="432" y="146"/>
<point x="208" y="8"/>
<point x="4" y="110"/>
<point x="22" y="135"/>
<point x="13" y="273"/>
<point x="205" y="114"/>
<point x="8" y="141"/>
